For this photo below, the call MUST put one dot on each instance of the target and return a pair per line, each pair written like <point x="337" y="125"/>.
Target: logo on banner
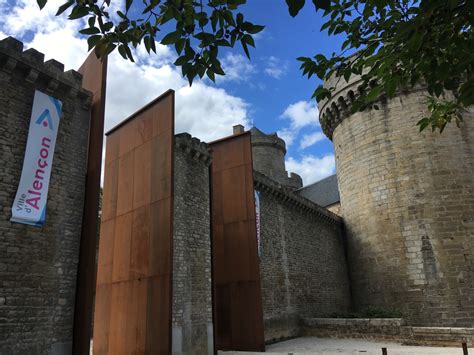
<point x="45" y="120"/>
<point x="29" y="206"/>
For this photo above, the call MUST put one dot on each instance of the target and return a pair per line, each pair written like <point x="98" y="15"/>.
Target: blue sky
<point x="268" y="91"/>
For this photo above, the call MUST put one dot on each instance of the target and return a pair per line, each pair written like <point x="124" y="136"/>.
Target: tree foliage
<point x="195" y="29"/>
<point x="395" y="45"/>
<point x="392" y="44"/>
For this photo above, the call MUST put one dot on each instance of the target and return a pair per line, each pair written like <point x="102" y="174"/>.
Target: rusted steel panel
<point x="133" y="306"/>
<point x="94" y="74"/>
<point x="238" y="318"/>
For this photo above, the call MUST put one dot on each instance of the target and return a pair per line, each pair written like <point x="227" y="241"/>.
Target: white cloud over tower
<point x="205" y="111"/>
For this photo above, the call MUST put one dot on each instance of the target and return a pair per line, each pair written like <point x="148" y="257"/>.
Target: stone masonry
<point x="302" y="261"/>
<point x="38" y="265"/>
<point x="407" y="200"/>
<point x="268" y="151"/>
<point x="192" y="287"/>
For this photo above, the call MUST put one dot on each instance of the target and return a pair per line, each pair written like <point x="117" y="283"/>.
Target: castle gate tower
<point x="407" y="200"/>
<point x="269" y="152"/>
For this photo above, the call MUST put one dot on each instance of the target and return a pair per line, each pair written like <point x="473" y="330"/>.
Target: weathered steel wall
<point x="133" y="297"/>
<point x="94" y="75"/>
<point x="238" y="320"/>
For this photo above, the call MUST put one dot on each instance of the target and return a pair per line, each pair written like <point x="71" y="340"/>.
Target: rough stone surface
<point x="38" y="265"/>
<point x="302" y="262"/>
<point x="407" y="200"/>
<point x="268" y="151"/>
<point x="192" y="287"/>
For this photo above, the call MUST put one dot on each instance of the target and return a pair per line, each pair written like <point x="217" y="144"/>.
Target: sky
<point x="268" y="91"/>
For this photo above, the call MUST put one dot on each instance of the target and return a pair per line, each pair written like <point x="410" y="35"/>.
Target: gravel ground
<point x="326" y="346"/>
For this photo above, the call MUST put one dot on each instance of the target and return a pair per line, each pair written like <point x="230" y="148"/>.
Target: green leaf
<point x="41" y="3"/>
<point x="90" y="31"/>
<point x="294" y="6"/>
<point x="181" y="60"/>
<point x="253" y="29"/>
<point x="171" y="37"/>
<point x="246" y="49"/>
<point x="64" y="7"/>
<point x="229" y="18"/>
<point x="91" y="21"/>
<point x="122" y="51"/>
<point x="249" y="40"/>
<point x="179" y="45"/>
<point x="78" y="11"/>
<point x="390" y="87"/>
<point x="322" y="4"/>
<point x="107" y="26"/>
<point x="374" y="94"/>
<point x="423" y="123"/>
<point x="211" y="75"/>
<point x="146" y="42"/>
<point x="93" y="40"/>
<point x="128" y="4"/>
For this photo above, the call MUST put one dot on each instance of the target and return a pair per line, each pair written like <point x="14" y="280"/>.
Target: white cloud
<point x="287" y="135"/>
<point x="236" y="68"/>
<point x="301" y="114"/>
<point x="202" y="110"/>
<point x="312" y="168"/>
<point x="25" y="16"/>
<point x="309" y="139"/>
<point x="276" y="68"/>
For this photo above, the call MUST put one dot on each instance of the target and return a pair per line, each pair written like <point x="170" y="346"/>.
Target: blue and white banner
<point x="29" y="206"/>
<point x="257" y="220"/>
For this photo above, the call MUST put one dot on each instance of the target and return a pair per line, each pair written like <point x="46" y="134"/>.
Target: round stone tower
<point x="407" y="200"/>
<point x="268" y="153"/>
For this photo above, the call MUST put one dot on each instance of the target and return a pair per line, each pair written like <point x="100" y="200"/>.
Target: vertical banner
<point x="29" y="206"/>
<point x="257" y="222"/>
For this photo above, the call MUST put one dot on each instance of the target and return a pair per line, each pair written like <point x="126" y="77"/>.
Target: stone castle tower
<point x="407" y="200"/>
<point x="268" y="152"/>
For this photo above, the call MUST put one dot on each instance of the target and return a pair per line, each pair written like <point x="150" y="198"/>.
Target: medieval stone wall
<point x="407" y="200"/>
<point x="38" y="265"/>
<point x="192" y="287"/>
<point x="302" y="260"/>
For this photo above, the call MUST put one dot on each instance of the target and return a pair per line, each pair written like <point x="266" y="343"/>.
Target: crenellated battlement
<point x="194" y="147"/>
<point x="285" y="194"/>
<point x="334" y="110"/>
<point x="30" y="65"/>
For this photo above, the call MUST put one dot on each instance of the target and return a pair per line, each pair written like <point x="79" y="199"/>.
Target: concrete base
<point x="327" y="346"/>
<point x="388" y="329"/>
<point x="286" y="326"/>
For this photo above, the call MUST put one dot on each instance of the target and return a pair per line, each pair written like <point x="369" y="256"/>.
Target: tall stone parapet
<point x="38" y="265"/>
<point x="407" y="200"/>
<point x="268" y="151"/>
<point x="192" y="331"/>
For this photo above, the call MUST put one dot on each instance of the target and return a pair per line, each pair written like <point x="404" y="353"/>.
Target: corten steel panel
<point x="238" y="317"/>
<point x="94" y="73"/>
<point x="133" y="305"/>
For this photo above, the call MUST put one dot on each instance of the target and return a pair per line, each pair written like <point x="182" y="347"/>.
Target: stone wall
<point x="192" y="287"/>
<point x="302" y="262"/>
<point x="38" y="265"/>
<point x="407" y="200"/>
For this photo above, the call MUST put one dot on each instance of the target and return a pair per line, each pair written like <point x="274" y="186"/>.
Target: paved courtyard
<point x="326" y="346"/>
